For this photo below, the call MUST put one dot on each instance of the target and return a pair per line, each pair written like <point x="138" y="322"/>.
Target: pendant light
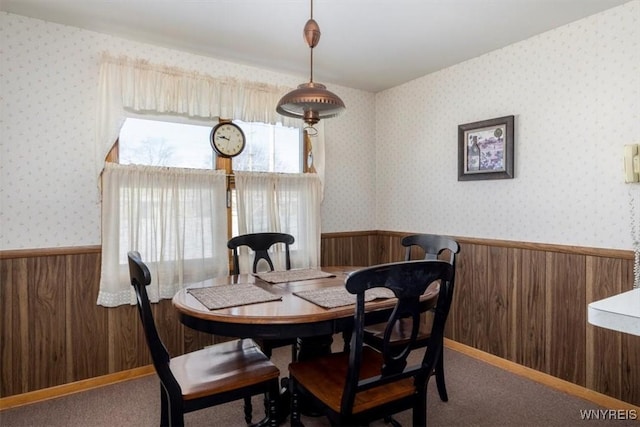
<point x="311" y="101"/>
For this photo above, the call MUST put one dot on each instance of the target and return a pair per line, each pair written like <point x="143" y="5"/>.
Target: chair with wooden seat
<point x="261" y="244"/>
<point x="214" y="375"/>
<point x="364" y="384"/>
<point x="427" y="246"/>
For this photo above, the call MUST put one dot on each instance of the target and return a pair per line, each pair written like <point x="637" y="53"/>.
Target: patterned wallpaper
<point x="49" y="194"/>
<point x="575" y="95"/>
<point x="391" y="158"/>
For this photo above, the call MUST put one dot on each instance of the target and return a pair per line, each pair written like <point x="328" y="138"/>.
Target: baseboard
<point x="75" y="387"/>
<point x="542" y="378"/>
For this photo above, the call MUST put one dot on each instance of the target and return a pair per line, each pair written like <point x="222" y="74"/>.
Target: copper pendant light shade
<point x="311" y="101"/>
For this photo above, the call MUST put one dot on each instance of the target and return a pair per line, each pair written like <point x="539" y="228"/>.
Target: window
<point x="270" y="148"/>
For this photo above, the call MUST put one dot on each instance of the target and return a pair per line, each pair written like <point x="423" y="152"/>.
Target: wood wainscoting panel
<point x="521" y="301"/>
<point x="530" y="309"/>
<point x="478" y="286"/>
<point x="14" y="338"/>
<point x="499" y="302"/>
<point x="630" y="366"/>
<point x="87" y="344"/>
<point x="46" y="357"/>
<point x="566" y="310"/>
<point x="166" y="319"/>
<point x="127" y="347"/>
<point x="604" y="278"/>
<point x="361" y="253"/>
<point x="353" y="248"/>
<point x="336" y="251"/>
<point x="460" y="327"/>
<point x="391" y="249"/>
<point x="630" y="369"/>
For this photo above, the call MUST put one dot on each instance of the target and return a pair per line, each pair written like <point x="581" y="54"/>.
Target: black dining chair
<point x="261" y="244"/>
<point x="214" y="375"/>
<point x="428" y="247"/>
<point x="364" y="384"/>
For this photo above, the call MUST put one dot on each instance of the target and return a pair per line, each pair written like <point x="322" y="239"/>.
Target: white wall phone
<point x="632" y="163"/>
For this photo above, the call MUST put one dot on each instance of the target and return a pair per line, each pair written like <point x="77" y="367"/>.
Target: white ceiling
<point x="366" y="44"/>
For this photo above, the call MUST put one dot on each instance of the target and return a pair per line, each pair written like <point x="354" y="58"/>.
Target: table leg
<point x="312" y="347"/>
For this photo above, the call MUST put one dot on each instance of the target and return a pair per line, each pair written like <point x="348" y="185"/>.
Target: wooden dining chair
<point x="364" y="384"/>
<point x="426" y="246"/>
<point x="214" y="375"/>
<point x="260" y="244"/>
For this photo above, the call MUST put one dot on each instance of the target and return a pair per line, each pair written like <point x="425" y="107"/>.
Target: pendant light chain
<point x="311" y="101"/>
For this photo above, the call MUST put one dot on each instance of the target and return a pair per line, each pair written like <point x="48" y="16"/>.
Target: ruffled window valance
<point x="138" y="86"/>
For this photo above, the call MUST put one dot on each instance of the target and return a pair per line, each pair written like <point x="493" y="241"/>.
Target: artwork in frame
<point x="485" y="149"/>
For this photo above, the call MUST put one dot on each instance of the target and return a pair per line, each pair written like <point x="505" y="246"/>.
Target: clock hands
<point x="228" y="141"/>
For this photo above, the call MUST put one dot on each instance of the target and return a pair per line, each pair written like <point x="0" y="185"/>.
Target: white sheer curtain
<point x="174" y="217"/>
<point x="287" y="203"/>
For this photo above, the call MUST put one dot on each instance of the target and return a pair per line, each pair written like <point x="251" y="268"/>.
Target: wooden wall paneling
<point x="362" y="248"/>
<point x="461" y="317"/>
<point x="480" y="302"/>
<point x="630" y="369"/>
<point x="86" y="343"/>
<point x="21" y="279"/>
<point x="343" y="251"/>
<point x="327" y="252"/>
<point x="385" y="242"/>
<point x="51" y="325"/>
<point x="127" y="347"/>
<point x="532" y="311"/>
<point x="7" y="336"/>
<point x="604" y="279"/>
<point x="566" y="316"/>
<point x="14" y="338"/>
<point x="390" y="248"/>
<point x="194" y="340"/>
<point x="46" y="307"/>
<point x="514" y="278"/>
<point x="498" y="303"/>
<point x="169" y="327"/>
<point x="630" y="349"/>
<point x="396" y="251"/>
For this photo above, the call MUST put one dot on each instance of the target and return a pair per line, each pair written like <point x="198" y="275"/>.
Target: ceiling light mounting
<point x="311" y="101"/>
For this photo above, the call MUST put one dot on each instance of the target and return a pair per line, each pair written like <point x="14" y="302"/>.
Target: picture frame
<point x="485" y="149"/>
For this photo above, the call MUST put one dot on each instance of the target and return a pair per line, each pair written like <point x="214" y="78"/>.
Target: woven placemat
<point x="225" y="296"/>
<point x="338" y="296"/>
<point x="293" y="275"/>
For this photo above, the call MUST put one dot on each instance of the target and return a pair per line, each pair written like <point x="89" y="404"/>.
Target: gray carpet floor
<point x="479" y="395"/>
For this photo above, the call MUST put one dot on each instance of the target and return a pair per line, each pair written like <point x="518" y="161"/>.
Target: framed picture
<point x="485" y="149"/>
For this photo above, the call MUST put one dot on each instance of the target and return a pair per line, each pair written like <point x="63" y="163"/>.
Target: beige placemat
<point x="225" y="296"/>
<point x="293" y="275"/>
<point x="338" y="296"/>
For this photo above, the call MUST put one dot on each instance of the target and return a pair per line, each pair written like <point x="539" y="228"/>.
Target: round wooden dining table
<point x="290" y="317"/>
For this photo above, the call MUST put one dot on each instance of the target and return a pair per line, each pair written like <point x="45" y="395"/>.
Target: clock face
<point x="227" y="139"/>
